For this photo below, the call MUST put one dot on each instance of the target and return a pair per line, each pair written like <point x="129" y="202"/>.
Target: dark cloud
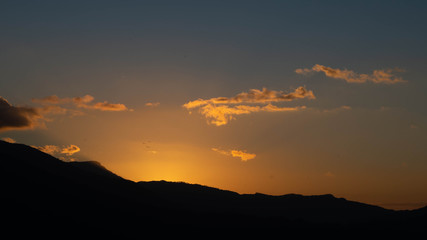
<point x="13" y="117"/>
<point x="23" y="117"/>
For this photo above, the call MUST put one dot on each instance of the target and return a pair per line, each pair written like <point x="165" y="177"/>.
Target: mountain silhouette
<point x="42" y="193"/>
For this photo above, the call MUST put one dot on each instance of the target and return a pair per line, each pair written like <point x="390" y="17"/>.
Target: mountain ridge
<point x="38" y="186"/>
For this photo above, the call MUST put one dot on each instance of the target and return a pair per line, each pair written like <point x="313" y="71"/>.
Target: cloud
<point x="49" y="100"/>
<point x="23" y="117"/>
<point x="272" y="108"/>
<point x="82" y="102"/>
<point x="223" y="152"/>
<point x="152" y="104"/>
<point x="70" y="150"/>
<point x="49" y="149"/>
<point x="386" y="76"/>
<point x="53" y="109"/>
<point x="105" y="106"/>
<point x="15" y="118"/>
<point x="243" y="155"/>
<point x="222" y="114"/>
<point x="338" y="109"/>
<point x="58" y="110"/>
<point x="254" y="96"/>
<point x="57" y="100"/>
<point x="219" y="111"/>
<point x="303" y="70"/>
<point x="9" y="140"/>
<point x="63" y="153"/>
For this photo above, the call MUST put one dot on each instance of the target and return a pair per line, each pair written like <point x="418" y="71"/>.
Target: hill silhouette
<point x="40" y="192"/>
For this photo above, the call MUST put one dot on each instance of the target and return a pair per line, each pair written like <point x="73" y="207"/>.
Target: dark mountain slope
<point x="324" y="209"/>
<point x="39" y="191"/>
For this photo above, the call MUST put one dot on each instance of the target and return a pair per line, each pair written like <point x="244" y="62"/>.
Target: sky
<point x="276" y="97"/>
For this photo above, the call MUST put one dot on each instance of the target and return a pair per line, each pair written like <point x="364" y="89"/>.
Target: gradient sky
<point x="277" y="97"/>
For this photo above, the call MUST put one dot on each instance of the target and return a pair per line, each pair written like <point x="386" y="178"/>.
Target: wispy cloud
<point x="222" y="114"/>
<point x="223" y="152"/>
<point x="17" y="117"/>
<point x="219" y="111"/>
<point x="50" y="100"/>
<point x="338" y="109"/>
<point x="152" y="104"/>
<point x="254" y="96"/>
<point x="81" y="102"/>
<point x="63" y="153"/>
<point x="386" y="76"/>
<point x="9" y="140"/>
<point x="49" y="149"/>
<point x="243" y="155"/>
<point x="24" y="117"/>
<point x="106" y="106"/>
<point x="49" y="110"/>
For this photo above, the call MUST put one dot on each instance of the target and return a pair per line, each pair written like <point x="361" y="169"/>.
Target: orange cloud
<point x="272" y="108"/>
<point x="254" y="96"/>
<point x="151" y="104"/>
<point x="219" y="111"/>
<point x="57" y="100"/>
<point x="53" y="109"/>
<point x="82" y="102"/>
<point x="49" y="149"/>
<point x="227" y="153"/>
<point x="105" y="106"/>
<point x="243" y="155"/>
<point x="59" y="152"/>
<point x="378" y="76"/>
<point x="49" y="100"/>
<point x="70" y="150"/>
<point x="222" y="114"/>
<point x="9" y="140"/>
<point x="15" y="118"/>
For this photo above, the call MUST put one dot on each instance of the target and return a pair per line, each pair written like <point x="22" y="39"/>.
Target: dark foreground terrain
<point x="41" y="194"/>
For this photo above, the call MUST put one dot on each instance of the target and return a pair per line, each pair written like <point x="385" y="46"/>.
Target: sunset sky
<point x="277" y="97"/>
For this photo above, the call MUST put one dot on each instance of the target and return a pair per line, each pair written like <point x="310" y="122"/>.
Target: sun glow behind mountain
<point x="277" y="98"/>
